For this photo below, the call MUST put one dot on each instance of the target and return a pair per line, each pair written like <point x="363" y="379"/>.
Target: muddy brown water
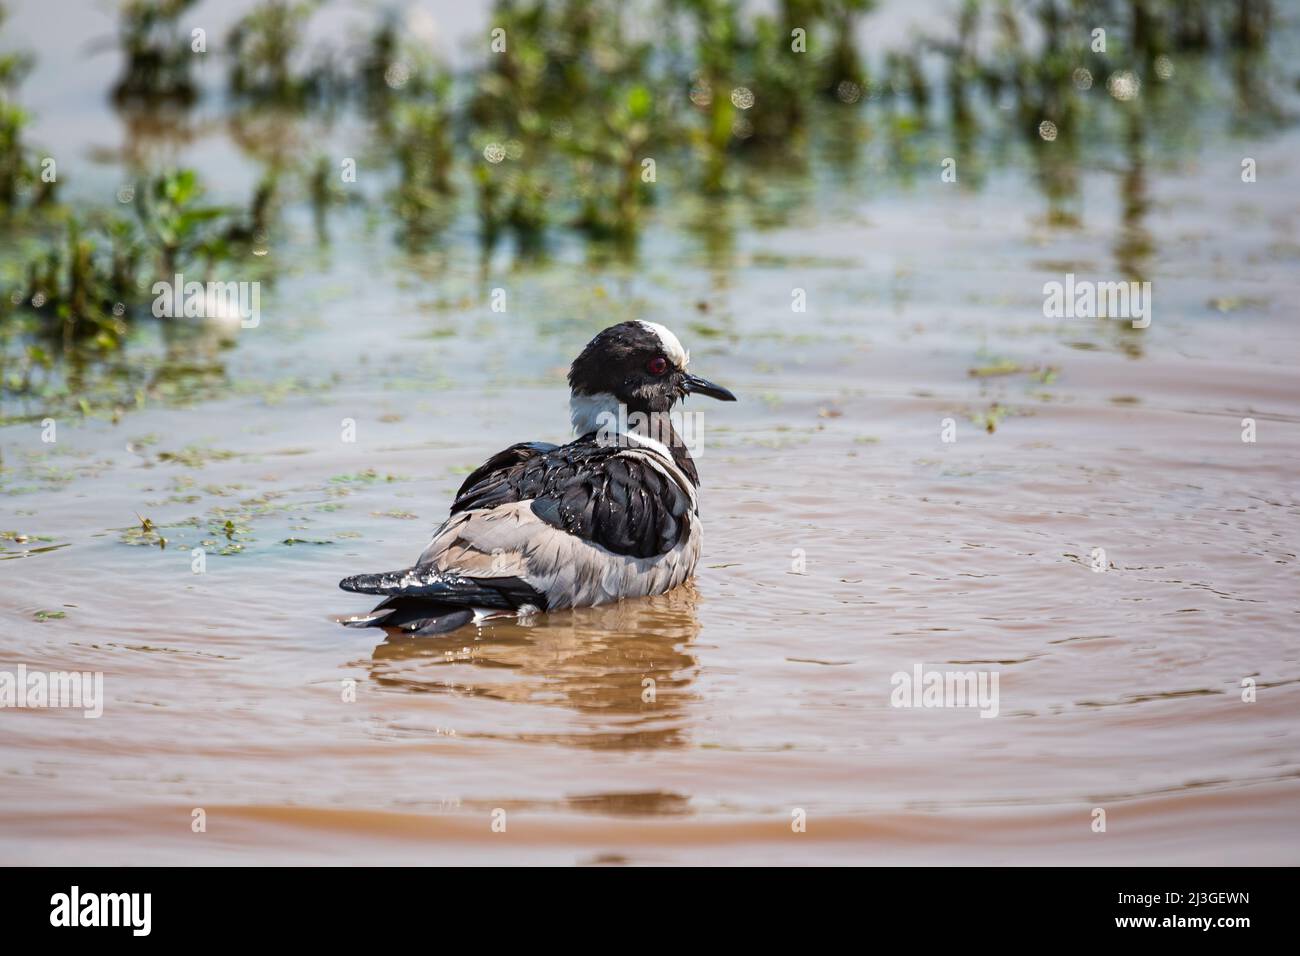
<point x="845" y="542"/>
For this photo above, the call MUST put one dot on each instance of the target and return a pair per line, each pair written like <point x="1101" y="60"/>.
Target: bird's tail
<point x="414" y="616"/>
<point x="423" y="600"/>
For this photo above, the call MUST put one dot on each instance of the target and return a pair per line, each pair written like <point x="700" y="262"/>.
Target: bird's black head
<point x="638" y="364"/>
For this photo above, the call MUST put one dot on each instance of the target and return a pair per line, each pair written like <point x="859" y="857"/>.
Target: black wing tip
<point x="360" y="584"/>
<point x="505" y="593"/>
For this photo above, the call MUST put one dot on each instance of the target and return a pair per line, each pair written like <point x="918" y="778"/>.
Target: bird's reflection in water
<point x="627" y="665"/>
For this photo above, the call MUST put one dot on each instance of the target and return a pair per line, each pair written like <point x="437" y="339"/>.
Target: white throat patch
<point x="672" y="348"/>
<point x="585" y="411"/>
<point x="603" y="414"/>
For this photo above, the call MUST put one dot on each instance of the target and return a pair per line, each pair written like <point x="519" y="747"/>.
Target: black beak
<point x="694" y="385"/>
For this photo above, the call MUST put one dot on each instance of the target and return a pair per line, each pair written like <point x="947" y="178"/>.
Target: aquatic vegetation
<point x="156" y="53"/>
<point x="144" y="534"/>
<point x="13" y="65"/>
<point x="195" y="456"/>
<point x="20" y="538"/>
<point x="78" y="288"/>
<point x="367" y="476"/>
<point x="25" y="179"/>
<point x="266" y="58"/>
<point x="996" y="368"/>
<point x="716" y="93"/>
<point x="990" y="418"/>
<point x="520" y="115"/>
<point x="175" y="224"/>
<point x="736" y="87"/>
<point x="13" y="554"/>
<point x="844" y="64"/>
<point x="423" y="150"/>
<point x="84" y="285"/>
<point x="94" y="277"/>
<point x="325" y="193"/>
<point x="397" y="64"/>
<point x="613" y="187"/>
<point x="584" y="119"/>
<point x="756" y="77"/>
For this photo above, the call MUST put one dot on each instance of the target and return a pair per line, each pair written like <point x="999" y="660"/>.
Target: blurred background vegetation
<point x="579" y="118"/>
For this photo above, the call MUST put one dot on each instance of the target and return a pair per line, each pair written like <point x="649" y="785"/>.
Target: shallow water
<point x="845" y="542"/>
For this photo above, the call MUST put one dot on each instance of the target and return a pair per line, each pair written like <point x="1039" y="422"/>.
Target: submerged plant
<point x="77" y="289"/>
<point x="175" y="224"/>
<point x="14" y="66"/>
<point x="423" y="150"/>
<point x="23" y="177"/>
<point x="614" y="181"/>
<point x="756" y="77"/>
<point x="20" y="173"/>
<point x="397" y="64"/>
<point x="538" y="159"/>
<point x="156" y="54"/>
<point x="265" y="50"/>
<point x="95" y="275"/>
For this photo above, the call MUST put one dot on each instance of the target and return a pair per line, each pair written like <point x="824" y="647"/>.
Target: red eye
<point x="657" y="365"/>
